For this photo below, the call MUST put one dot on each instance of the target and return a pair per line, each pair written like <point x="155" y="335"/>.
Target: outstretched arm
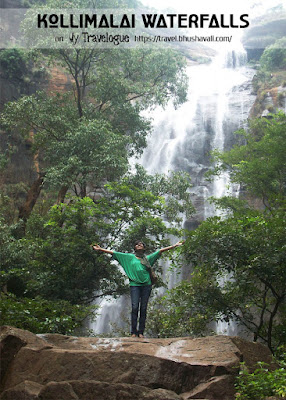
<point x="180" y="243"/>
<point x="98" y="248"/>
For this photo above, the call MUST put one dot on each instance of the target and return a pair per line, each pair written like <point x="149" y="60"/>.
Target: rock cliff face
<point x="57" y="367"/>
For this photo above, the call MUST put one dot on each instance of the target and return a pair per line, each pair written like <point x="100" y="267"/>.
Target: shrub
<point x="13" y="63"/>
<point x="274" y="56"/>
<point x="42" y="316"/>
<point x="261" y="383"/>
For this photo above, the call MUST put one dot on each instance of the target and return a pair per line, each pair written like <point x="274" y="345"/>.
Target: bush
<point x="274" y="56"/>
<point x="14" y="63"/>
<point x="42" y="316"/>
<point x="261" y="383"/>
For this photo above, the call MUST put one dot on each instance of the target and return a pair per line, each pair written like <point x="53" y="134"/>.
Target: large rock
<point x="57" y="367"/>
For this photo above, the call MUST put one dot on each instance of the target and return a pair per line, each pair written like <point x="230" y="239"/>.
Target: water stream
<point x="219" y="100"/>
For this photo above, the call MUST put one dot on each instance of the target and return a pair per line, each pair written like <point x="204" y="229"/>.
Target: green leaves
<point x="260" y="164"/>
<point x="274" y="56"/>
<point x="245" y="255"/>
<point x="183" y="310"/>
<point x="249" y="245"/>
<point x="59" y="261"/>
<point x="72" y="149"/>
<point x="238" y="274"/>
<point x="84" y="137"/>
<point x="261" y="383"/>
<point x="13" y="63"/>
<point x="92" y="152"/>
<point x="42" y="316"/>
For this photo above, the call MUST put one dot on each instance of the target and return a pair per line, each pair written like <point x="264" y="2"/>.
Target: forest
<point x="66" y="182"/>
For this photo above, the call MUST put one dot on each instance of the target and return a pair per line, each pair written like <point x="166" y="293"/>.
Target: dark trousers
<point x="139" y="301"/>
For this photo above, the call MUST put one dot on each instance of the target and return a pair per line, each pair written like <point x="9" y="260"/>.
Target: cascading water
<point x="219" y="101"/>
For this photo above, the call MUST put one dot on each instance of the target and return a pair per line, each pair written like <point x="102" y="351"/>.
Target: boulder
<point x="11" y="341"/>
<point x="26" y="390"/>
<point x="81" y="390"/>
<point x="213" y="388"/>
<point x="53" y="367"/>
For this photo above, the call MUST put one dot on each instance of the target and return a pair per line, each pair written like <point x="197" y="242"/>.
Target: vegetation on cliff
<point x="266" y="47"/>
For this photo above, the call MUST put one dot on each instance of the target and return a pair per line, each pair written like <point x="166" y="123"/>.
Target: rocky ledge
<point x="58" y="367"/>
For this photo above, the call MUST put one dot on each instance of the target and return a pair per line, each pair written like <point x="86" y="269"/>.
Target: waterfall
<point x="219" y="100"/>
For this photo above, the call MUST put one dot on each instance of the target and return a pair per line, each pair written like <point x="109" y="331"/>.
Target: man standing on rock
<point x="138" y="268"/>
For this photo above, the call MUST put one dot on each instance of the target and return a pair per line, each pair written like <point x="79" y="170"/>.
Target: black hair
<point x="139" y="241"/>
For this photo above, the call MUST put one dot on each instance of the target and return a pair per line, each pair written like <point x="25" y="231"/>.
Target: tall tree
<point x="82" y="138"/>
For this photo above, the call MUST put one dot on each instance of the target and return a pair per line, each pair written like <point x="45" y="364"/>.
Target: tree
<point x="76" y="137"/>
<point x="259" y="165"/>
<point x="56" y="264"/>
<point x="99" y="122"/>
<point x="39" y="314"/>
<point x="186" y="310"/>
<point x="61" y="252"/>
<point x="72" y="149"/>
<point x="13" y="63"/>
<point x="274" y="56"/>
<point x="238" y="274"/>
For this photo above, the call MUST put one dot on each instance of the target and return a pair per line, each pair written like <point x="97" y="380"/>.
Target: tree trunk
<point x="32" y="196"/>
<point x="82" y="190"/>
<point x="62" y="194"/>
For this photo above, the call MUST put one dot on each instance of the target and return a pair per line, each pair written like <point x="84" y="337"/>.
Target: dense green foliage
<point x="184" y="310"/>
<point x="74" y="149"/>
<point x="261" y="383"/>
<point x="84" y="137"/>
<point x="274" y="56"/>
<point x="239" y="275"/>
<point x="13" y="62"/>
<point x="259" y="165"/>
<point x="43" y="316"/>
<point x="34" y="313"/>
<point x="53" y="262"/>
